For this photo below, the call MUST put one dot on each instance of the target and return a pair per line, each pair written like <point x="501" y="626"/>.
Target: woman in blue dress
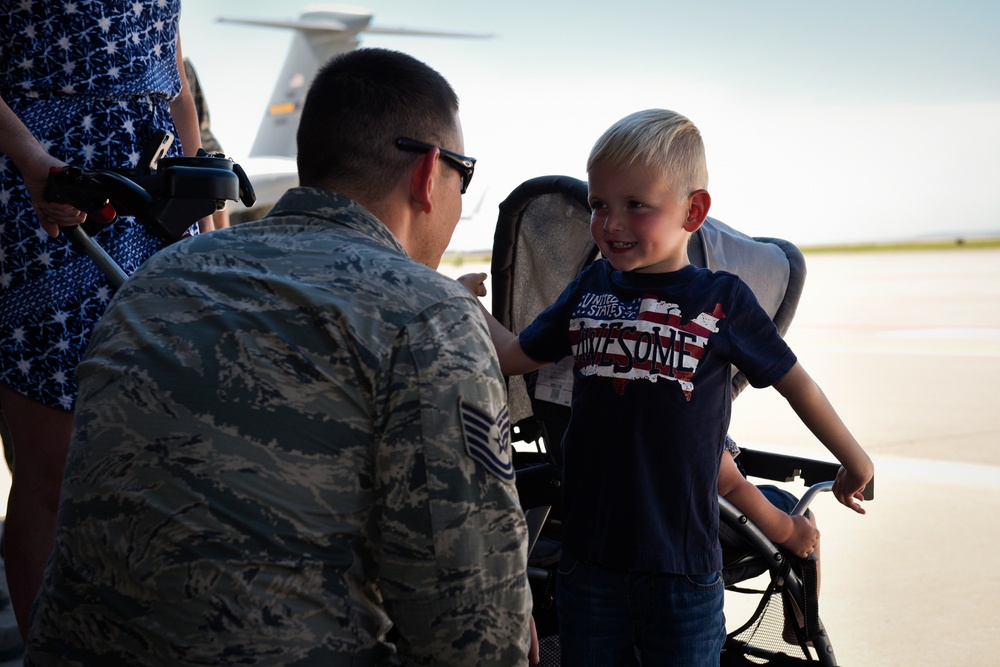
<point x="84" y="83"/>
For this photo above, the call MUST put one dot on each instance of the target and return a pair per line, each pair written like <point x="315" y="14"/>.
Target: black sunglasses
<point x="462" y="164"/>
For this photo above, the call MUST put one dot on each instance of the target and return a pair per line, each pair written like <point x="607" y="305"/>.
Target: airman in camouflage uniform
<point x="290" y="436"/>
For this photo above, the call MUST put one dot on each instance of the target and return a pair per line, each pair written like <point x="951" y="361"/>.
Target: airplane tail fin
<point x="321" y="32"/>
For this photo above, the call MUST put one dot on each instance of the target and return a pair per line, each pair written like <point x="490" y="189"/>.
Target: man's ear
<point x="422" y="180"/>
<point x="699" y="203"/>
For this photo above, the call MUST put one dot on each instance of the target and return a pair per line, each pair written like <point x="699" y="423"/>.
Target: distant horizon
<point x="952" y="242"/>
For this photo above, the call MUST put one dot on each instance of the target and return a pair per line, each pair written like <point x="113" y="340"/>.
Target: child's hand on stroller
<point x="849" y="488"/>
<point x="474" y="282"/>
<point x="804" y="537"/>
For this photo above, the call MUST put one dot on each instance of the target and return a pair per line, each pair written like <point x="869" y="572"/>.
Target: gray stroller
<point x="542" y="242"/>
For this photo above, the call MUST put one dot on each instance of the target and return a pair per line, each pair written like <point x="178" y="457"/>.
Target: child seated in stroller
<point x="641" y="560"/>
<point x="770" y="509"/>
<point x="769" y="512"/>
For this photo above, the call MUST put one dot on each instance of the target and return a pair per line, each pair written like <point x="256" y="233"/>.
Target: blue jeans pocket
<point x="710" y="582"/>
<point x="568" y="565"/>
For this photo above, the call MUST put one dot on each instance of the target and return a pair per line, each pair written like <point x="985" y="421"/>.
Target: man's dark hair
<point x="357" y="106"/>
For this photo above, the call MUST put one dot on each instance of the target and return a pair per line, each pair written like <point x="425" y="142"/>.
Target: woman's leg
<point x="41" y="436"/>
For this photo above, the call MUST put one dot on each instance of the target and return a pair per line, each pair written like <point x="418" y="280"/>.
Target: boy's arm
<point x="816" y="412"/>
<point x="797" y="534"/>
<point x="513" y="360"/>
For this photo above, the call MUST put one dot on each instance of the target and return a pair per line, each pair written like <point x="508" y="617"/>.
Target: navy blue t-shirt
<point x="651" y="406"/>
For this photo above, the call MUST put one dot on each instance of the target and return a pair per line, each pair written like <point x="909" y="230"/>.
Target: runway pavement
<point x="907" y="347"/>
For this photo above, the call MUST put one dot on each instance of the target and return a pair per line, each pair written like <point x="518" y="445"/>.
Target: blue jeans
<point x="605" y="616"/>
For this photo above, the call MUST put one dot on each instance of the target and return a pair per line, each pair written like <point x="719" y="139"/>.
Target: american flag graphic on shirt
<point x="646" y="339"/>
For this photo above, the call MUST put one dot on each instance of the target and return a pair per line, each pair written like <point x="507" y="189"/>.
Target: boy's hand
<point x="849" y="488"/>
<point x="804" y="537"/>
<point x="474" y="282"/>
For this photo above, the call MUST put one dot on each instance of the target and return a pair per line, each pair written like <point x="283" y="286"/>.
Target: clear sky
<point x="824" y="122"/>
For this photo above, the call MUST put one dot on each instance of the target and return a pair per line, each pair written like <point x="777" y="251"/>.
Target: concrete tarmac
<point x="907" y="347"/>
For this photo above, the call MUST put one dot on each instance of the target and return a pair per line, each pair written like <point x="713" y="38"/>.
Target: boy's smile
<point x="638" y="221"/>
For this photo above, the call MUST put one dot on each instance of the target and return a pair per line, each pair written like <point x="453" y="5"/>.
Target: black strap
<point x="810" y="601"/>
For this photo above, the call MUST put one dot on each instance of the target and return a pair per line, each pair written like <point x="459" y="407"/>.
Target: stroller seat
<point x="542" y="242"/>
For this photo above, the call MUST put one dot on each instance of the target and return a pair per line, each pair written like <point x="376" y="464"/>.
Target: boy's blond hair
<point x="660" y="139"/>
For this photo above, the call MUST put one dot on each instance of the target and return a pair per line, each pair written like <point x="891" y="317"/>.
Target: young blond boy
<point x="653" y="339"/>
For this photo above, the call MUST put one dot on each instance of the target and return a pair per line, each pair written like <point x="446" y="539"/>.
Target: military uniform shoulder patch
<point x="487" y="439"/>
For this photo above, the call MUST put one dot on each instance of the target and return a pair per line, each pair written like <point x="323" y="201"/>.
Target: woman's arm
<point x="35" y="164"/>
<point x="184" y="112"/>
<point x="185" y="116"/>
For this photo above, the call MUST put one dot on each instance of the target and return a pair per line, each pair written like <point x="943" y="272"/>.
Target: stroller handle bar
<point x="807" y="497"/>
<point x="168" y="199"/>
<point x="116" y="276"/>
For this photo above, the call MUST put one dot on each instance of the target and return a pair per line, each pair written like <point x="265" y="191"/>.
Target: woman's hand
<point x="51" y="215"/>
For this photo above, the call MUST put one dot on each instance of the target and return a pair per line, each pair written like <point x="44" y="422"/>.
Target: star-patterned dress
<point x="92" y="80"/>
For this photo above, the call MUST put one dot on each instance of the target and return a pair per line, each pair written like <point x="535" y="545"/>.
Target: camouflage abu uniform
<point x="288" y="432"/>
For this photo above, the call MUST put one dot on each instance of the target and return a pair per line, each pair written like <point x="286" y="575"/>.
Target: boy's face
<point x="638" y="221"/>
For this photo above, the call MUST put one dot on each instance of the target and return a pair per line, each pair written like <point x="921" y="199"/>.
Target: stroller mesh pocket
<point x="770" y="636"/>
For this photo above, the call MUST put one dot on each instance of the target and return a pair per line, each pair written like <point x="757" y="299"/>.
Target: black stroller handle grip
<point x="168" y="200"/>
<point x="96" y="193"/>
<point x="247" y="196"/>
<point x="166" y="195"/>
<point x="785" y="468"/>
<point x="125" y="194"/>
